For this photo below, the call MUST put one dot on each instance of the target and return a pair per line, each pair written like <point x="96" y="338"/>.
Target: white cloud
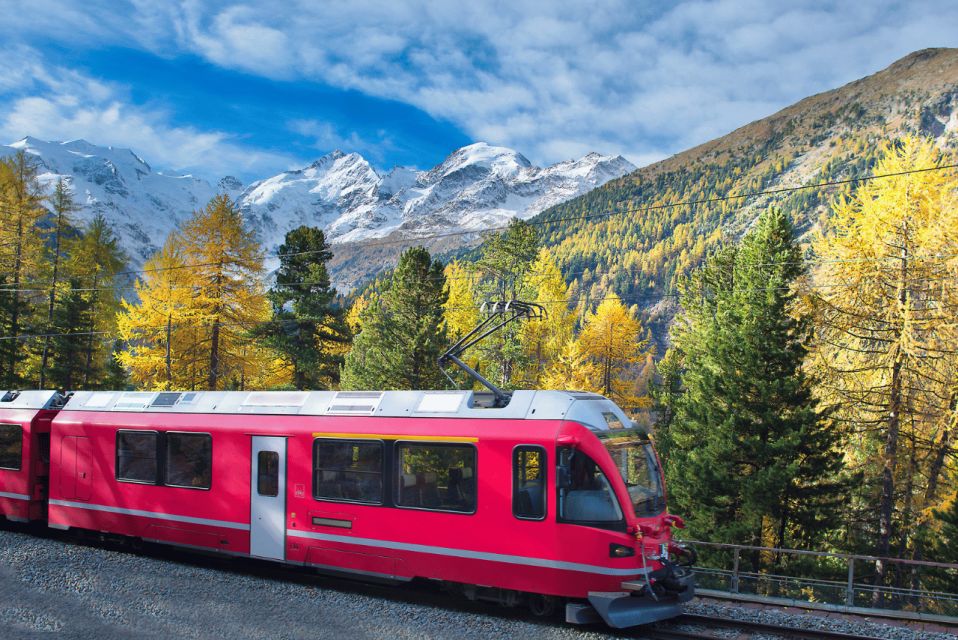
<point x="325" y="137"/>
<point x="53" y="103"/>
<point x="548" y="79"/>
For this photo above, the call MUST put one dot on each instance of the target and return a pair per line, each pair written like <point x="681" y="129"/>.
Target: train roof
<point x="596" y="412"/>
<point x="45" y="399"/>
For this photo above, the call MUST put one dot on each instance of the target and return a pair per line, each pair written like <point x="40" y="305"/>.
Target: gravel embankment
<point x="50" y="588"/>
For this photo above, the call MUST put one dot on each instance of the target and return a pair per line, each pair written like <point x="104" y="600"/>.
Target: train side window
<point x="348" y="470"/>
<point x="437" y="477"/>
<point x="11" y="446"/>
<point x="136" y="456"/>
<point x="529" y="482"/>
<point x="585" y="494"/>
<point x="189" y="460"/>
<point x="267" y="473"/>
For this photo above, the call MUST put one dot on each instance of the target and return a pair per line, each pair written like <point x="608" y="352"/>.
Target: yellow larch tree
<point x="229" y="298"/>
<point x="156" y="327"/>
<point x="570" y="370"/>
<point x="21" y="259"/>
<point x="885" y="336"/>
<point x="544" y="338"/>
<point x="201" y="296"/>
<point x="612" y="341"/>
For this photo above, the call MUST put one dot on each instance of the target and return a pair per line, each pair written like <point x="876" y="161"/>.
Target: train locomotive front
<point x="610" y="489"/>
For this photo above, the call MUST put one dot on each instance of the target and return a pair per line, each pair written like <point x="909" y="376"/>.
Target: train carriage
<point x="553" y="496"/>
<point x="25" y="452"/>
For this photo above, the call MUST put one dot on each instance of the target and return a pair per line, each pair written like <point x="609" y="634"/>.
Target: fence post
<point x="735" y="570"/>
<point x="850" y="591"/>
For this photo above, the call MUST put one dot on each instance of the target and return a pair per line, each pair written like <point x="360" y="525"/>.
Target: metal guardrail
<point x="835" y="581"/>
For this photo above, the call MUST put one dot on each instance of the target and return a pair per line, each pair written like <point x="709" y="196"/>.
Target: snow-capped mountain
<point x="476" y="187"/>
<point x="142" y="205"/>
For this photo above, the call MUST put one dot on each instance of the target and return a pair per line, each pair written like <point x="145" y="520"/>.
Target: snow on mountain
<point x="143" y="206"/>
<point x="476" y="187"/>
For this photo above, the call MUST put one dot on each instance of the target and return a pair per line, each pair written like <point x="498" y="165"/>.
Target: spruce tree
<point x="63" y="207"/>
<point x="72" y="318"/>
<point x="752" y="458"/>
<point x="402" y="331"/>
<point x="308" y="329"/>
<point x="505" y="263"/>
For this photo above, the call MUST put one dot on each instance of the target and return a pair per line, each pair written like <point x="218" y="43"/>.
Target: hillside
<point x="830" y="135"/>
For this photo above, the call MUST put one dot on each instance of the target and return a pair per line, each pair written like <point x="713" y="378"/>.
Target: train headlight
<point x="620" y="551"/>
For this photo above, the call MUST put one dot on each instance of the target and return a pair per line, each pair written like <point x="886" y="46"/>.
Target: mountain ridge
<point x="339" y="192"/>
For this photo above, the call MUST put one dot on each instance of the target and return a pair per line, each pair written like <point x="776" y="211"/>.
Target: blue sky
<point x="252" y="89"/>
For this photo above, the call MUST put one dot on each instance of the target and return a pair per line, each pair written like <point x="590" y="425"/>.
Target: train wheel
<point x="542" y="606"/>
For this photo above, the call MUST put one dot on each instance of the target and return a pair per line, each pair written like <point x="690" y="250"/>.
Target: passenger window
<point x="11" y="446"/>
<point x="349" y="470"/>
<point x="267" y="473"/>
<point x="136" y="456"/>
<point x="440" y="477"/>
<point x="189" y="460"/>
<point x="587" y="496"/>
<point x="529" y="482"/>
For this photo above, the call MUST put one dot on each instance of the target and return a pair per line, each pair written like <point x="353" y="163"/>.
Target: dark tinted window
<point x="436" y="476"/>
<point x="189" y="460"/>
<point x="11" y="446"/>
<point x="349" y="470"/>
<point x="529" y="482"/>
<point x="267" y="473"/>
<point x="136" y="456"/>
<point x="588" y="498"/>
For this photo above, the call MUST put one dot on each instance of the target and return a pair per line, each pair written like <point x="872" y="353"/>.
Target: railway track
<point x="714" y="627"/>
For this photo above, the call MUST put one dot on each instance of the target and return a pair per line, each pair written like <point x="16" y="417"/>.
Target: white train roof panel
<point x="595" y="411"/>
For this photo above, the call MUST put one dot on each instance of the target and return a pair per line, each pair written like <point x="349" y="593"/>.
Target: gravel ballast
<point x="55" y="588"/>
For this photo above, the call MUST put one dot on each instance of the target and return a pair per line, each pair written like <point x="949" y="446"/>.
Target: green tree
<point x="96" y="260"/>
<point x="308" y="329"/>
<point x="72" y="317"/>
<point x="505" y="262"/>
<point x="752" y="457"/>
<point x="63" y="207"/>
<point x="402" y="331"/>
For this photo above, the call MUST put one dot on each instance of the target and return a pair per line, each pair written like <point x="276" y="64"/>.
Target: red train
<point x="555" y="497"/>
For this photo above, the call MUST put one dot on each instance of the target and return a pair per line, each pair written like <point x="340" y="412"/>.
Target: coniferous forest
<point x="804" y="393"/>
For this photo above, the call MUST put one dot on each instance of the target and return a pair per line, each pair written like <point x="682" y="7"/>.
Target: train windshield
<point x="634" y="457"/>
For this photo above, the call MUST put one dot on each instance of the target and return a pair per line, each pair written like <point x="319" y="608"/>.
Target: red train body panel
<point x="24" y="453"/>
<point x="402" y="487"/>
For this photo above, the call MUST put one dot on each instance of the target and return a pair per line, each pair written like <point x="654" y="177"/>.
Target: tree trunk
<point x="890" y="458"/>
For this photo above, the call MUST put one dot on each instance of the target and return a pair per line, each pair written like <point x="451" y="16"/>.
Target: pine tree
<point x="96" y="260"/>
<point x="402" y="331"/>
<point x="63" y="208"/>
<point x="752" y="458"/>
<point x="505" y="262"/>
<point x="307" y="329"/>
<point x="68" y="346"/>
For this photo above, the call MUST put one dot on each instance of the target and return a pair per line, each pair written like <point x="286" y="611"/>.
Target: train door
<point x="268" y="498"/>
<point x="75" y="478"/>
